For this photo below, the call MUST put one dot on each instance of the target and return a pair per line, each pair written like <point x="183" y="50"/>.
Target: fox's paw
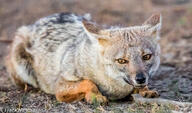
<point x="94" y="98"/>
<point x="149" y="94"/>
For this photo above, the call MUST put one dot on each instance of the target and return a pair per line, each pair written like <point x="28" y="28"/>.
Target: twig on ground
<point x="140" y="99"/>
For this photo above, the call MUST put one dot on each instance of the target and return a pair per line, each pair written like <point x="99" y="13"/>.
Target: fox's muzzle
<point x="140" y="78"/>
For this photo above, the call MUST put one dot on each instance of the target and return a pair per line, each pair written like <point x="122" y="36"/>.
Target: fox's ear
<point x="96" y="31"/>
<point x="90" y="27"/>
<point x="154" y="22"/>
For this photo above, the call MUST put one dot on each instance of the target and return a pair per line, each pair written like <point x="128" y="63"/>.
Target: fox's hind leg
<point x="73" y="91"/>
<point x="13" y="74"/>
<point x="19" y="64"/>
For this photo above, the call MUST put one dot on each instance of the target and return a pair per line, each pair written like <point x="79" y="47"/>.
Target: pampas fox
<point x="70" y="57"/>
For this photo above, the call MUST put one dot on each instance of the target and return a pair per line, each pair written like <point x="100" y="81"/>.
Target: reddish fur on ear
<point x="103" y="42"/>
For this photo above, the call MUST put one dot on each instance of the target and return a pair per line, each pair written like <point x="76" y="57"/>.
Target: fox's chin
<point x="140" y="85"/>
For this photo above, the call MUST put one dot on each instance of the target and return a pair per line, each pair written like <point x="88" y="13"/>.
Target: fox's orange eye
<point x="121" y="61"/>
<point x="147" y="57"/>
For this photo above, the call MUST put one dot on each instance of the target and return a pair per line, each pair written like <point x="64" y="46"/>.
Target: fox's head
<point x="130" y="54"/>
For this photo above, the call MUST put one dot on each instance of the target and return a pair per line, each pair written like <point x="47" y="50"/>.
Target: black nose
<point x="140" y="78"/>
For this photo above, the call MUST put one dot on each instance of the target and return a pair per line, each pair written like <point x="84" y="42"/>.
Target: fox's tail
<point x="19" y="62"/>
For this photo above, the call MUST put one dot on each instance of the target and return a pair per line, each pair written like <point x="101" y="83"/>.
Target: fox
<point x="73" y="58"/>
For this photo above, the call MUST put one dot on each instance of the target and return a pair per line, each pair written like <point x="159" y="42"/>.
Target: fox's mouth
<point x="127" y="81"/>
<point x="140" y="86"/>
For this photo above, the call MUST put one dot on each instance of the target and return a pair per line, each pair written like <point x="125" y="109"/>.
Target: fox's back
<point x="48" y="33"/>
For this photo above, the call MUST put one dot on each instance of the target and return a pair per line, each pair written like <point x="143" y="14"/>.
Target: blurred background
<point x="174" y="78"/>
<point x="177" y="17"/>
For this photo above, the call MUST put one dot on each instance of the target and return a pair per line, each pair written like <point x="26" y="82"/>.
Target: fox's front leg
<point x="145" y="92"/>
<point x="73" y="91"/>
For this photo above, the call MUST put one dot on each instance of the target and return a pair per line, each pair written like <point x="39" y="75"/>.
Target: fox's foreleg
<point x="146" y="92"/>
<point x="69" y="91"/>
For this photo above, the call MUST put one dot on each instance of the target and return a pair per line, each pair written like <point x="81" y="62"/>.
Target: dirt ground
<point x="173" y="80"/>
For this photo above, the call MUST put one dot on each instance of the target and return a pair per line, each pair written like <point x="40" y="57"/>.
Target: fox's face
<point x="132" y="61"/>
<point x="131" y="54"/>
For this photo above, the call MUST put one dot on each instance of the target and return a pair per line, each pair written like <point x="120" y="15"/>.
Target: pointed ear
<point x="90" y="27"/>
<point x="96" y="31"/>
<point x="154" y="22"/>
<point x="153" y="25"/>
